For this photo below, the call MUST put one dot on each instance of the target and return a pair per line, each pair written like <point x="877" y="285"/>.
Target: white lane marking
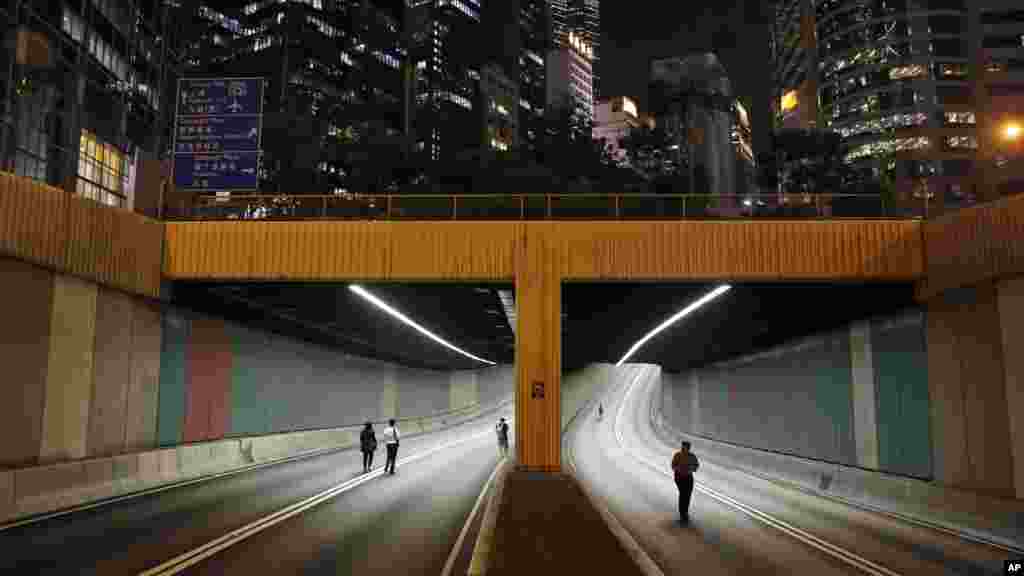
<point x="205" y="478"/>
<point x="196" y="555"/>
<point x="449" y="564"/>
<point x="837" y="552"/>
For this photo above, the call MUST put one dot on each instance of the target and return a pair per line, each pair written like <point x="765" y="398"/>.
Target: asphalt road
<point x="401" y="524"/>
<point x="625" y="463"/>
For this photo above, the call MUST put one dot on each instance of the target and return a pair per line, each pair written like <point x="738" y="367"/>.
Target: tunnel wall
<point x="856" y="396"/>
<point x="92" y="372"/>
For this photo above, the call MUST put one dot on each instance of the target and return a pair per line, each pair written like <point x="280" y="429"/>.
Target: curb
<point x="478" y="564"/>
<point x="631" y="546"/>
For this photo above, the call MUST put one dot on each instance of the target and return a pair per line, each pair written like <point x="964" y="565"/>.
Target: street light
<point x="1012" y="131"/>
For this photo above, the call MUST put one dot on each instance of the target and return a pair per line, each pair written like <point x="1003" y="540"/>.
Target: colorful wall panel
<point x="901" y="383"/>
<point x="173" y="378"/>
<point x="112" y="368"/>
<point x="209" y="381"/>
<point x="141" y="398"/>
<point x="70" y="375"/>
<point x="24" y="354"/>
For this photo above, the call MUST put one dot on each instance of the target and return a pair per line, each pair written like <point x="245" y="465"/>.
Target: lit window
<point x="901" y="72"/>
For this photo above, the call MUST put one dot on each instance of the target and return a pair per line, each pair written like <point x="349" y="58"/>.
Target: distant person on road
<point x="502" y="430"/>
<point x="391" y="443"/>
<point x="368" y="444"/>
<point x="600" y="411"/>
<point x="684" y="464"/>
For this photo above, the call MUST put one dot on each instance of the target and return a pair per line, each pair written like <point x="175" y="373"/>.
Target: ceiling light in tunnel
<point x="408" y="321"/>
<point x="675" y="318"/>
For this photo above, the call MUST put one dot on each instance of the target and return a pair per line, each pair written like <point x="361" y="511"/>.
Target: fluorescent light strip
<point x="406" y="320"/>
<point x="675" y="318"/>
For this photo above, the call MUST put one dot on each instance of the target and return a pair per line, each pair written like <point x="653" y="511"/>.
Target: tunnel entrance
<point x="834" y="373"/>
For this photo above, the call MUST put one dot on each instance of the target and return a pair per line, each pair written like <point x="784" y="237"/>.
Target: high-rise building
<point x="499" y="103"/>
<point x="570" y="81"/>
<point x="691" y="97"/>
<point x="916" y="89"/>
<point x="333" y="73"/>
<point x="582" y="18"/>
<point x="614" y="119"/>
<point x="445" y="50"/>
<point x="83" y="93"/>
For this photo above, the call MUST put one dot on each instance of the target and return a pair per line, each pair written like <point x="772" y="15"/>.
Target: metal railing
<point x="560" y="206"/>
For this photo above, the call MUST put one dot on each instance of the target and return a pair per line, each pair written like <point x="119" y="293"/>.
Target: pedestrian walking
<point x="502" y="431"/>
<point x="391" y="444"/>
<point x="600" y="411"/>
<point x="684" y="464"/>
<point x="368" y="444"/>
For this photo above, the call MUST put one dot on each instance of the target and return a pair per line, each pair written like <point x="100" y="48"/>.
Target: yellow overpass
<point x="122" y="249"/>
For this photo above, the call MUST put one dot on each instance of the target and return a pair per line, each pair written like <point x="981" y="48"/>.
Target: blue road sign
<point x="218" y="133"/>
<point x="223" y="171"/>
<point x="205" y="134"/>
<point x="220" y="96"/>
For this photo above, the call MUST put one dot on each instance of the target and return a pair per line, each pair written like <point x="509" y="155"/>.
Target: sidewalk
<point x="546" y="525"/>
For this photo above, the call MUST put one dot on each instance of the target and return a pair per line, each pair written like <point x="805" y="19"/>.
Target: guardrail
<point x="544" y="207"/>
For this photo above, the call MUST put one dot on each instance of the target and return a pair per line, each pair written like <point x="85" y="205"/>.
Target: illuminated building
<point x="332" y="68"/>
<point x="500" y="106"/>
<point x="583" y="19"/>
<point x="742" y="141"/>
<point x="899" y="80"/>
<point x="613" y="121"/>
<point x="83" y="93"/>
<point x="569" y="80"/>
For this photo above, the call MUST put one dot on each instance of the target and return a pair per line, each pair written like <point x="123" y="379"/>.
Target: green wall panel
<point x="248" y="413"/>
<point x="173" y="368"/>
<point x="901" y="378"/>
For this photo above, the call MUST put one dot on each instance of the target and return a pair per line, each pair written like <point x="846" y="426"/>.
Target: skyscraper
<point x="569" y="82"/>
<point x="333" y="72"/>
<point x="583" y="19"/>
<point x="913" y="88"/>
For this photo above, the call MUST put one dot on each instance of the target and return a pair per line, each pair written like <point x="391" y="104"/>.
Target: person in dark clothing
<point x="391" y="441"/>
<point x="684" y="464"/>
<point x="368" y="444"/>
<point x="502" y="430"/>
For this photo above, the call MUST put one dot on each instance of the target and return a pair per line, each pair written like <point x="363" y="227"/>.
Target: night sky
<point x="634" y="31"/>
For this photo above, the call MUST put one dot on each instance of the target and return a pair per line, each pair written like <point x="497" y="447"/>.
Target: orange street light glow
<point x="1012" y="131"/>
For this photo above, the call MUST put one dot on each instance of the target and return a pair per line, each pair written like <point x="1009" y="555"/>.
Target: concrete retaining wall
<point x="857" y="396"/>
<point x="31" y="491"/>
<point x="1002" y="519"/>
<point x="579" y="387"/>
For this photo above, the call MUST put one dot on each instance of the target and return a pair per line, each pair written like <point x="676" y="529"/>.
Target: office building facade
<point x="84" y="96"/>
<point x="917" y="89"/>
<point x="499" y="103"/>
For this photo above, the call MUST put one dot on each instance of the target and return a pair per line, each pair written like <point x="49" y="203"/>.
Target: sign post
<point x="218" y="134"/>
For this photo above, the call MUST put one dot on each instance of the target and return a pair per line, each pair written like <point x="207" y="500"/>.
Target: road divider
<point x="449" y="564"/>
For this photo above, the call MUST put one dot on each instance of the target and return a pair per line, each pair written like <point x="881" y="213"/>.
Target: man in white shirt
<point x="391" y="439"/>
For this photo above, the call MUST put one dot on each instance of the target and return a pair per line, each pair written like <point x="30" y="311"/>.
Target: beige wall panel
<point x="141" y="398"/>
<point x="538" y="350"/>
<point x="987" y="426"/>
<point x="1011" y="322"/>
<point x="945" y="389"/>
<point x="975" y="244"/>
<point x="112" y="363"/>
<point x="69" y="377"/>
<point x="24" y="354"/>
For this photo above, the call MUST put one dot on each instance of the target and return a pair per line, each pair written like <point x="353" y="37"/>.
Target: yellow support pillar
<point x="538" y="348"/>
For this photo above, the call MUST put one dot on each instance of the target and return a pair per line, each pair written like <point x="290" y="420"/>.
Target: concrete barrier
<point x="39" y="490"/>
<point x="984" y="516"/>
